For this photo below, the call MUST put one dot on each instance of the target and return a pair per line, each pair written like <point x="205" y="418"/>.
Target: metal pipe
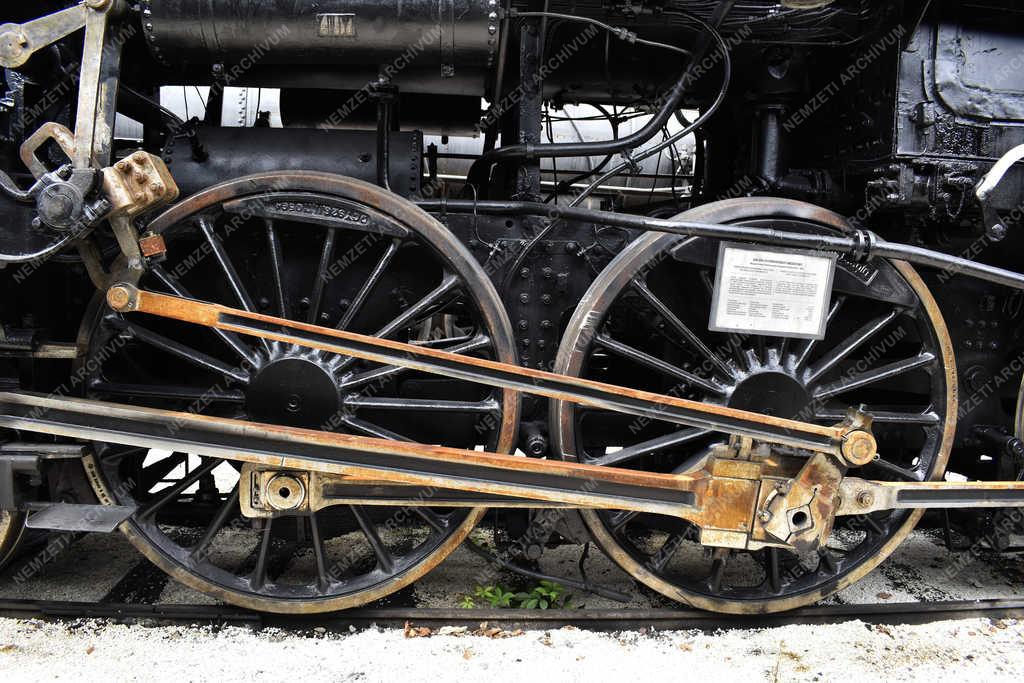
<point x="863" y="244"/>
<point x="480" y="171"/>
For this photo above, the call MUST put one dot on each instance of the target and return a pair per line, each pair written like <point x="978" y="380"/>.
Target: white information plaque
<point x="771" y="291"/>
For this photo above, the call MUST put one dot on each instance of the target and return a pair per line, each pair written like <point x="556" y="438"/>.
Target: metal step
<point x="67" y="517"/>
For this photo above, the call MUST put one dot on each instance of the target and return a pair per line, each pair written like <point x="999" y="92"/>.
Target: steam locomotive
<point x="295" y="295"/>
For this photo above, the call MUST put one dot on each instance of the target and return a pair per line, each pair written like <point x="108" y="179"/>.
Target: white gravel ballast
<point x="967" y="650"/>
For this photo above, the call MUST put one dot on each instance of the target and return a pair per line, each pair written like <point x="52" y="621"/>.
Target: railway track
<point x="511" y="619"/>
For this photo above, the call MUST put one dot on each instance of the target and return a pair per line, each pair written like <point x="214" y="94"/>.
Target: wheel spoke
<point x="221" y="255"/>
<point x="620" y="518"/>
<point x="873" y="376"/>
<point x="433" y="520"/>
<point x="371" y="282"/>
<point x="927" y="418"/>
<point x="258" y="578"/>
<point x="151" y="475"/>
<point x="718" y="571"/>
<point x="805" y="349"/>
<point x="374" y="430"/>
<point x="658" y="365"/>
<point x="680" y="327"/>
<point x="666" y="551"/>
<point x="320" y="280"/>
<point x="178" y="349"/>
<point x="323" y="578"/>
<point x="176" y="490"/>
<point x="849" y="345"/>
<point x="383" y="373"/>
<point x="229" y="338"/>
<point x="384" y="558"/>
<point x="358" y="402"/>
<point x="276" y="268"/>
<point x="774" y="574"/>
<point x="651" y="446"/>
<point x="895" y="470"/>
<point x="828" y="560"/>
<point x="438" y="294"/>
<point x="172" y="392"/>
<point x="229" y="506"/>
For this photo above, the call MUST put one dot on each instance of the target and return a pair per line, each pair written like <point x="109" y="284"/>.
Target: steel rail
<point x="840" y="440"/>
<point x="511" y="619"/>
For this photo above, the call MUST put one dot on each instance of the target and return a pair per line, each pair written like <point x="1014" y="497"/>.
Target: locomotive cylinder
<point x="440" y="46"/>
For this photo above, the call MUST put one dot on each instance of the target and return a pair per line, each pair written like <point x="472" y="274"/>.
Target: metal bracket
<point x="26" y="459"/>
<point x="18" y="42"/>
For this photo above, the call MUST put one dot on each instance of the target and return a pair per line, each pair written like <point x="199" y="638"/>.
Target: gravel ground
<point x="967" y="650"/>
<point x="106" y="568"/>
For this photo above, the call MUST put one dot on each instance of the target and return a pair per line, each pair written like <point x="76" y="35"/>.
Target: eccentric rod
<point x="845" y="440"/>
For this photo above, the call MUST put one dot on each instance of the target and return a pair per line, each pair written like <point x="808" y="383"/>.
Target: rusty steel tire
<point x="493" y="320"/>
<point x="588" y="321"/>
<point x="12" y="526"/>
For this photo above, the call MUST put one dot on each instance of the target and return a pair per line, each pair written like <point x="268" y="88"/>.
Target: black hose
<point x="481" y="169"/>
<point x="675" y="137"/>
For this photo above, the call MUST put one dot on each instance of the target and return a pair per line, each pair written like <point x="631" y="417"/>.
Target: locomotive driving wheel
<point x="320" y="249"/>
<point x="644" y="324"/>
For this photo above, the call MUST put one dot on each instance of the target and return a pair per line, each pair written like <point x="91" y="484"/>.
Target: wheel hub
<point x="295" y="390"/>
<point x="770" y="392"/>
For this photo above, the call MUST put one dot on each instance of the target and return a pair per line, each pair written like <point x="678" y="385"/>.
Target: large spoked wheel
<point x="644" y="324"/>
<point x="320" y="249"/>
<point x="11" y="528"/>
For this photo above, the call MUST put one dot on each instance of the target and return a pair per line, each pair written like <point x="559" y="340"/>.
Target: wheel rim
<point x="660" y="552"/>
<point x="12" y="526"/>
<point x="422" y="286"/>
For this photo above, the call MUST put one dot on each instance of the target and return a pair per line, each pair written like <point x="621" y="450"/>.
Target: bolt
<point x="524" y="298"/>
<point x="571" y="247"/>
<point x="545" y="324"/>
<point x="524" y="273"/>
<point x="545" y="299"/>
<point x="524" y="324"/>
<point x="865" y="499"/>
<point x="547" y="272"/>
<point x="119" y="297"/>
<point x="525" y="341"/>
<point x="765" y="516"/>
